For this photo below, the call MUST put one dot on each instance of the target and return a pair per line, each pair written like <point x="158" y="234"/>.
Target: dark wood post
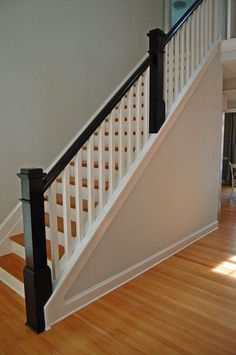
<point x="157" y="104"/>
<point x="37" y="274"/>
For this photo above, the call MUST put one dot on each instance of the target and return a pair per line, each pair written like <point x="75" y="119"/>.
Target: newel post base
<point x="157" y="104"/>
<point x="37" y="274"/>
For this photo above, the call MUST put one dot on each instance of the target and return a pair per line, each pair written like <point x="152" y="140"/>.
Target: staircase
<point x="106" y="151"/>
<point x="63" y="208"/>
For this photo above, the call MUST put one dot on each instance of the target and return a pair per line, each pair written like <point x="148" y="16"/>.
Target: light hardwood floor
<point x="186" y="305"/>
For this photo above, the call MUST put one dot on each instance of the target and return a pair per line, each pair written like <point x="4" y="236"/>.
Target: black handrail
<point x="181" y="21"/>
<point x="83" y="138"/>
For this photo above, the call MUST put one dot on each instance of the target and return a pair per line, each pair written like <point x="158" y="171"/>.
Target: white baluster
<point x="182" y="45"/>
<point x="193" y="42"/>
<point x="78" y="195"/>
<point x="101" y="164"/>
<point x="201" y="31"/>
<point x="146" y="105"/>
<point x="177" y="64"/>
<point x="206" y="27"/>
<point x="90" y="180"/>
<point x="130" y="126"/>
<point x="197" y="36"/>
<point x="187" y="50"/>
<point x="138" y="118"/>
<point x="170" y="89"/>
<point x="111" y="153"/>
<point x="166" y="75"/>
<point x="52" y="205"/>
<point x="210" y="20"/>
<point x="121" y="140"/>
<point x="66" y="211"/>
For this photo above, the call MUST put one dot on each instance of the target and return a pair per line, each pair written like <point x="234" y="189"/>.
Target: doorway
<point x="229" y="146"/>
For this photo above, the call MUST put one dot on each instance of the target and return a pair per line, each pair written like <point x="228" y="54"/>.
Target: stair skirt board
<point x="12" y="282"/>
<point x="72" y="305"/>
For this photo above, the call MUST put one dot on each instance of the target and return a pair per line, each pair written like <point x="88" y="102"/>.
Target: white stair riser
<point x="12" y="282"/>
<point x="19" y="250"/>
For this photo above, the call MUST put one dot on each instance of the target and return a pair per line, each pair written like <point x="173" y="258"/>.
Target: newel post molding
<point x="37" y="274"/>
<point x="157" y="104"/>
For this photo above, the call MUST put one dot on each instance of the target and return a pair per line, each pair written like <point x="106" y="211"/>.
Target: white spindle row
<point x="187" y="49"/>
<point x="76" y="197"/>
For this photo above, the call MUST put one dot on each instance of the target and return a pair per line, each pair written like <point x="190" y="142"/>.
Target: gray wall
<point x="176" y="196"/>
<point x="59" y="60"/>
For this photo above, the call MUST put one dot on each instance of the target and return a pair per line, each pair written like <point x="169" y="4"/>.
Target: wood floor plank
<point x="185" y="305"/>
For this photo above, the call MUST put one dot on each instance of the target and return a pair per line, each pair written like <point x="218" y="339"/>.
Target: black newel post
<point x="157" y="104"/>
<point x="37" y="275"/>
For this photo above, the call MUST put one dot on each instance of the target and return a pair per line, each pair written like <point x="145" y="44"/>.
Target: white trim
<point x="94" y="293"/>
<point x="229" y="93"/>
<point x="228" y="45"/>
<point x="230" y="110"/>
<point x="10" y="226"/>
<point x="99" y="227"/>
<point x="10" y="222"/>
<point x="12" y="282"/>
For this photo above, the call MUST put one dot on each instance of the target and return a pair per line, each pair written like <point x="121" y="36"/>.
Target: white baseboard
<point x="85" y="298"/>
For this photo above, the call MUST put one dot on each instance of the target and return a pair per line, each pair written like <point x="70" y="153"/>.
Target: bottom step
<point x="11" y="272"/>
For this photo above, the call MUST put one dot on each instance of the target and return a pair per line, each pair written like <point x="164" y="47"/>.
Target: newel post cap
<point x="31" y="173"/>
